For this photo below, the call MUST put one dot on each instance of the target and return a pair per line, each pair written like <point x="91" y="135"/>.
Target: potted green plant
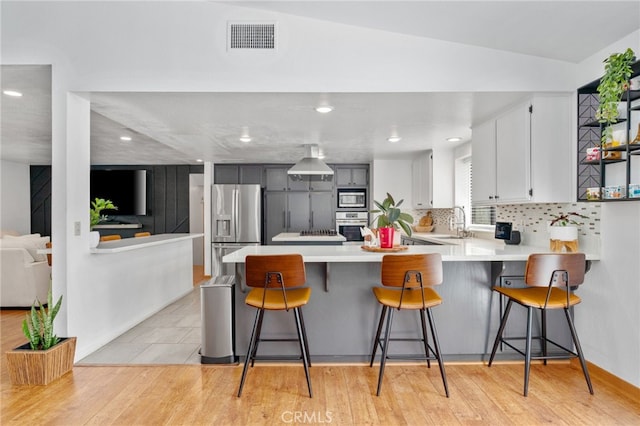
<point x="613" y="84"/>
<point x="96" y="216"/>
<point x="390" y="218"/>
<point x="95" y="212"/>
<point x="563" y="232"/>
<point x="45" y="357"/>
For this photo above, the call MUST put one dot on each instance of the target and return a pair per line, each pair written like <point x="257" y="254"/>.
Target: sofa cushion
<point x="32" y="243"/>
<point x="5" y="232"/>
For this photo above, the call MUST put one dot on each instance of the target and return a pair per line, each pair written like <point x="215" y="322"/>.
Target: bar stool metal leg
<point x="376" y="341"/>
<point x="258" y="331"/>
<point x="252" y="342"/>
<point x="385" y="348"/>
<point x="500" y="331"/>
<point x="301" y="340"/>
<point x="576" y="342"/>
<point x="544" y="335"/>
<point x="436" y="346"/>
<point x="425" y="337"/>
<point x="304" y="334"/>
<point x="527" y="356"/>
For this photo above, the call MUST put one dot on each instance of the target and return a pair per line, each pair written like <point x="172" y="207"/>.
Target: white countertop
<point x="456" y="250"/>
<point x="126" y="244"/>
<point x="295" y="236"/>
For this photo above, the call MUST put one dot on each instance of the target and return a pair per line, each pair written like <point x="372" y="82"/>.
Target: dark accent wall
<point x="40" y="184"/>
<point x="167" y="199"/>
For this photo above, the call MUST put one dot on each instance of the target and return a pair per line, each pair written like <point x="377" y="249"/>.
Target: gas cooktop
<point x="319" y="233"/>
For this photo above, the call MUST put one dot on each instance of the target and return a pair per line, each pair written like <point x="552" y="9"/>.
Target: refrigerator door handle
<point x="236" y="213"/>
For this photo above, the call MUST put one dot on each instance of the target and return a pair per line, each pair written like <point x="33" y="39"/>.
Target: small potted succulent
<point x="389" y="219"/>
<point x="45" y="357"/>
<point x="563" y="232"/>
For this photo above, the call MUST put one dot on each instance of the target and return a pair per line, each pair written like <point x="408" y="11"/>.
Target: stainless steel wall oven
<point x="349" y="223"/>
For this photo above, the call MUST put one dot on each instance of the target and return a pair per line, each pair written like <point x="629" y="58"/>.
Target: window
<point x="480" y="215"/>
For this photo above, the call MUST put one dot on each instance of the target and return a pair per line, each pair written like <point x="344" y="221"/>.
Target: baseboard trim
<point x="621" y="384"/>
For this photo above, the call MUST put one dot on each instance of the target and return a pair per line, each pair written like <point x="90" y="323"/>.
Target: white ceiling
<point x="178" y="128"/>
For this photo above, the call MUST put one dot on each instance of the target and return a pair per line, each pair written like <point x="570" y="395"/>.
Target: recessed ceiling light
<point x="454" y="139"/>
<point x="245" y="138"/>
<point x="394" y="139"/>
<point x="12" y="93"/>
<point x="199" y="160"/>
<point x="323" y="109"/>
<point x="125" y="138"/>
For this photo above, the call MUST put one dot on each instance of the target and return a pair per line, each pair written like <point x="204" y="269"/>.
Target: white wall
<point x="608" y="320"/>
<point x="180" y="46"/>
<point x="15" y="198"/>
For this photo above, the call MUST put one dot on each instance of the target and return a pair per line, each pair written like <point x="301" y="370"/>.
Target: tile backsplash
<point x="533" y="218"/>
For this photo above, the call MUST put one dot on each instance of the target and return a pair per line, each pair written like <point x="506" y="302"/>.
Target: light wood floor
<point x="343" y="395"/>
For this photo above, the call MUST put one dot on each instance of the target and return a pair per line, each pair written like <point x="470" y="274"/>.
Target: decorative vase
<point x="386" y="237"/>
<point x="563" y="238"/>
<point x="94" y="239"/>
<point x="29" y="367"/>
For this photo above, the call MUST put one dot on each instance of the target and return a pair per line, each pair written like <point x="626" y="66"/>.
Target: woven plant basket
<point x="29" y="367"/>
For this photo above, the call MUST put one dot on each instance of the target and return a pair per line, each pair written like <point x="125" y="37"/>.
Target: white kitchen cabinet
<point x="422" y="176"/>
<point x="513" y="162"/>
<point x="524" y="154"/>
<point x="484" y="162"/>
<point x="432" y="181"/>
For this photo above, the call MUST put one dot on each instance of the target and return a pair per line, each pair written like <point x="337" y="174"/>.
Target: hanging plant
<point x="613" y="84"/>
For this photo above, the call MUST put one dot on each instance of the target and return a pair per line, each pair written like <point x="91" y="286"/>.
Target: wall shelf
<point x="602" y="173"/>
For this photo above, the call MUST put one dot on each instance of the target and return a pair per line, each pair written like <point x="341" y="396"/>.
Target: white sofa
<point x="23" y="278"/>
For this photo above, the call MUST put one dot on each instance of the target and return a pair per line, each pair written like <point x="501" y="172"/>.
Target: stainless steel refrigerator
<point x="237" y="222"/>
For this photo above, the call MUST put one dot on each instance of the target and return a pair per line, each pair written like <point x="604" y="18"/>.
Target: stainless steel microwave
<point x="352" y="198"/>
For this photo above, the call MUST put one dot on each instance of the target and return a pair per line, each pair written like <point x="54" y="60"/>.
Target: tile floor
<point x="172" y="336"/>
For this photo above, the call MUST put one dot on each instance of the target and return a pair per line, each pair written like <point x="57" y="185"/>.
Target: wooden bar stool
<point x="278" y="282"/>
<point x="544" y="274"/>
<point x="412" y="277"/>
<point x="142" y="234"/>
<point x="110" y="237"/>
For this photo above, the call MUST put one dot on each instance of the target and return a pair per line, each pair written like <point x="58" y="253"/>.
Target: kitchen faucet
<point x="461" y="232"/>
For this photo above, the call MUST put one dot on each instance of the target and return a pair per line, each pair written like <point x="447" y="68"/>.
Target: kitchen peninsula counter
<point x="127" y="244"/>
<point x="342" y="314"/>
<point x="451" y="250"/>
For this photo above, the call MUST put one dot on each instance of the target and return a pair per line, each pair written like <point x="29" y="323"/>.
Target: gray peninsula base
<point x="342" y="315"/>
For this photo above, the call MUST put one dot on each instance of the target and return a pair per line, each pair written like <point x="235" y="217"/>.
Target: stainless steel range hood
<point x="311" y="167"/>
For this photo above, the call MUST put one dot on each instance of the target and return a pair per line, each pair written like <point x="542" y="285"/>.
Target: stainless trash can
<point x="216" y="304"/>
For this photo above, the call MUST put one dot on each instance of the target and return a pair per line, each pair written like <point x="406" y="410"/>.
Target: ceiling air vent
<point x="252" y="36"/>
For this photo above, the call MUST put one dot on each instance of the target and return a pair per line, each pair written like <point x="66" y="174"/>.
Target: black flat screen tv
<point x="127" y="189"/>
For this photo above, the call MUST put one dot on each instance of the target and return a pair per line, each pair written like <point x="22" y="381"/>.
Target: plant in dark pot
<point x="613" y="84"/>
<point x="389" y="219"/>
<point x="45" y="357"/>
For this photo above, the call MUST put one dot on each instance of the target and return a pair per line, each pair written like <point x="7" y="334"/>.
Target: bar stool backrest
<point x="396" y="266"/>
<point x="555" y="269"/>
<point x="262" y="270"/>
